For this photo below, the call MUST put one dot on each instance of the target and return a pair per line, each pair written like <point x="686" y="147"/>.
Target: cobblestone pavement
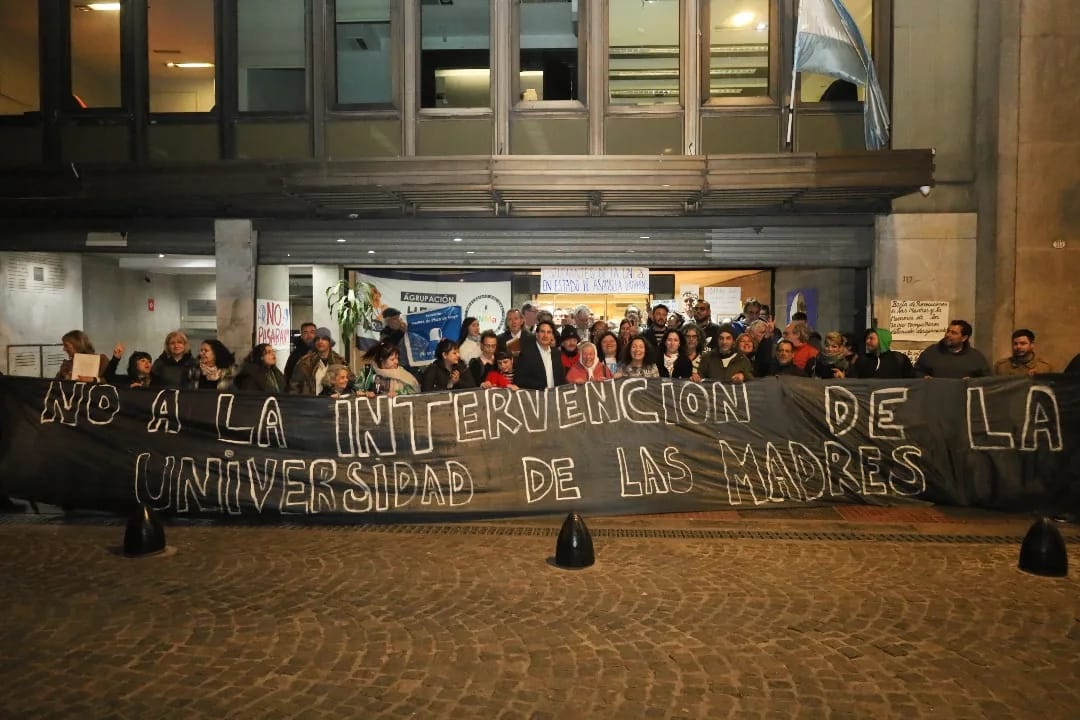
<point x="450" y="622"/>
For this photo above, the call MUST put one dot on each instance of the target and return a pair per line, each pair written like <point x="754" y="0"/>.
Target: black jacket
<point x="437" y="377"/>
<point x="170" y="373"/>
<point x="529" y="367"/>
<point x="257" y="377"/>
<point x="888" y="365"/>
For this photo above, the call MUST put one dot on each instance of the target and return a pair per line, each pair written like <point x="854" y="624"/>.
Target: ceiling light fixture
<point x="341" y="239"/>
<point x="470" y="252"/>
<point x="104" y="7"/>
<point x="741" y="19"/>
<point x="161" y="255"/>
<point x="189" y="65"/>
<point x="370" y="252"/>
<point x="644" y="237"/>
<point x="457" y="239"/>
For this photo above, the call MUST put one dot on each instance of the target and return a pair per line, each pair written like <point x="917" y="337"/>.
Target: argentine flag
<point x="828" y="42"/>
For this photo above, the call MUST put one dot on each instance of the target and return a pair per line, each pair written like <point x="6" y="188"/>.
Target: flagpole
<point x="794" y="64"/>
<point x="791" y="106"/>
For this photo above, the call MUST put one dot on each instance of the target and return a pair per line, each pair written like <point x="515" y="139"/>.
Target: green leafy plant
<point x="351" y="304"/>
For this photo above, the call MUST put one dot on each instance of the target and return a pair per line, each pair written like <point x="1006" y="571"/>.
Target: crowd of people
<point x="535" y="352"/>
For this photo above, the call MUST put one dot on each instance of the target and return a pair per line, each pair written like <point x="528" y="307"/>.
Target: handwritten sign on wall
<point x="918" y="319"/>
<point x="589" y="280"/>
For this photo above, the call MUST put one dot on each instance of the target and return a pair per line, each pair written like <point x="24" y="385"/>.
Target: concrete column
<point x="235" y="250"/>
<point x="322" y="277"/>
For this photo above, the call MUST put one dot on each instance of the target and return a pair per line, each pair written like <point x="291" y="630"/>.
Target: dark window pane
<point x="549" y="51"/>
<point x="365" y="53"/>
<point x="272" y="57"/>
<point x="455" y="60"/>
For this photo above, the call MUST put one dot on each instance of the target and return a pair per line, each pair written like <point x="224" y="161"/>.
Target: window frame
<point x="231" y="74"/>
<point x="772" y="96"/>
<point x="548" y="107"/>
<point x="330" y="73"/>
<point x="478" y="111"/>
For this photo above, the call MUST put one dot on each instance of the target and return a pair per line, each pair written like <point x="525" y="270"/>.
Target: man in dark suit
<point x="513" y="337"/>
<point x="539" y="365"/>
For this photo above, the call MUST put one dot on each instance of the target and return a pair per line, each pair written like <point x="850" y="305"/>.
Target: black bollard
<point x="574" y="547"/>
<point x="1043" y="550"/>
<point x="144" y="534"/>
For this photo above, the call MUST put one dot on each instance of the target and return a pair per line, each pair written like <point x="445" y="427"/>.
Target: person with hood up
<point x="588" y="367"/>
<point x="879" y="361"/>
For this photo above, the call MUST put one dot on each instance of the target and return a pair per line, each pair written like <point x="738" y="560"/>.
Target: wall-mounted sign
<point x="924" y="320"/>
<point x="594" y="280"/>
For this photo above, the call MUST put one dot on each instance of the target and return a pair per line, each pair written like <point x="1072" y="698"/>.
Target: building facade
<point x="271" y="135"/>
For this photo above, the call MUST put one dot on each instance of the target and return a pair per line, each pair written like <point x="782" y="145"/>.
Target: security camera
<point x="925" y="190"/>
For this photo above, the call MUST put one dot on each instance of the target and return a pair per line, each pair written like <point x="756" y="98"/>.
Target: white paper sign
<point x="724" y="302"/>
<point x="273" y="323"/>
<point x="920" y="320"/>
<point x="594" y="280"/>
<point x="85" y="365"/>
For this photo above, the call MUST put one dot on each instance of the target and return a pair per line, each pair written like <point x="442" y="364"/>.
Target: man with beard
<point x="1023" y="360"/>
<point x="953" y="356"/>
<point x="539" y="365"/>
<point x="724" y="362"/>
<point x="303" y="347"/>
<point x="310" y="369"/>
<point x="654" y="334"/>
<point x="704" y="322"/>
<point x="879" y="361"/>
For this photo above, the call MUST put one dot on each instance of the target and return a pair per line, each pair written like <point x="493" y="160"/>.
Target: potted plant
<point x="352" y="305"/>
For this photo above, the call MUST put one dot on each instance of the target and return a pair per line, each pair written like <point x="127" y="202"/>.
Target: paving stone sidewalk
<point x="254" y="622"/>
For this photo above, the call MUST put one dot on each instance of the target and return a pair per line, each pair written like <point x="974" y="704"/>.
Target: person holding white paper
<point x="83" y="363"/>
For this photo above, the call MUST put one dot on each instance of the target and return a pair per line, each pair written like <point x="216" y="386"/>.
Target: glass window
<point x="18" y="58"/>
<point x="181" y="57"/>
<point x="818" y="88"/>
<point x="643" y="52"/>
<point x="271" y="56"/>
<point x="738" y="38"/>
<point x="549" y="67"/>
<point x="364" y="52"/>
<point x="455" y="60"/>
<point x="95" y="55"/>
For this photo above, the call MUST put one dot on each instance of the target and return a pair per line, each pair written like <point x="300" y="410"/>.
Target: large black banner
<point x="630" y="446"/>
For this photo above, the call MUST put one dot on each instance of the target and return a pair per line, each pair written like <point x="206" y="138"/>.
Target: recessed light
<point x="631" y="251"/>
<point x="189" y="65"/>
<point x="341" y="239"/>
<point x="457" y="239"/>
<point x="706" y="250"/>
<point x="644" y="237"/>
<point x="353" y="216"/>
<point x="104" y="6"/>
<point x="161" y="255"/>
<point x="288" y="254"/>
<point x="370" y="252"/>
<point x="470" y="252"/>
